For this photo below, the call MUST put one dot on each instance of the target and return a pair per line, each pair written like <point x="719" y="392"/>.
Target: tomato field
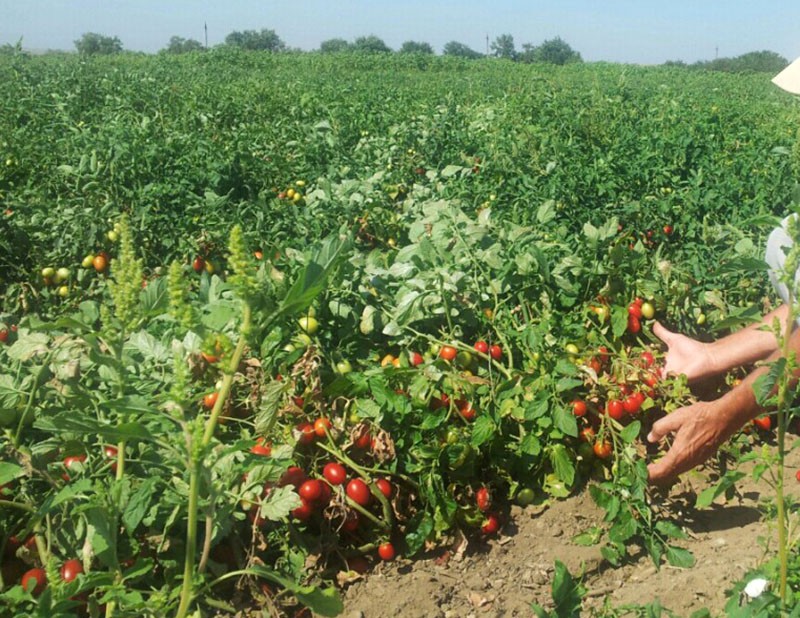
<point x="269" y="319"/>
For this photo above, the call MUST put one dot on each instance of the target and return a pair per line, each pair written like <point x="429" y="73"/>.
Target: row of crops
<point x="270" y="319"/>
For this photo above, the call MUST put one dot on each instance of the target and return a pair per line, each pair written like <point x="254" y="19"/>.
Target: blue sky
<point x="635" y="31"/>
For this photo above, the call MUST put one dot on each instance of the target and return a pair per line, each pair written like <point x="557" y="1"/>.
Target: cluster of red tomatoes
<point x="348" y="500"/>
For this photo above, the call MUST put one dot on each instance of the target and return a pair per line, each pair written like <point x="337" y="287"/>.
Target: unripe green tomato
<point x="701" y="319"/>
<point x="571" y="349"/>
<point x="48" y="272"/>
<point x="87" y="261"/>
<point x="62" y="274"/>
<point x="303" y="340"/>
<point x="463" y="358"/>
<point x="525" y="496"/>
<point x="648" y="311"/>
<point x="343" y="367"/>
<point x="112" y="236"/>
<point x="309" y="324"/>
<point x="63" y="291"/>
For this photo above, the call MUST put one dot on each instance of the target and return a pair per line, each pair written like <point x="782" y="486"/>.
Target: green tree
<point x="503" y="47"/>
<point x="263" y="40"/>
<point x="414" y="47"/>
<point x="91" y="44"/>
<point x="454" y="48"/>
<point x="552" y="51"/>
<point x="179" y="45"/>
<point x="333" y="46"/>
<point x="370" y="44"/>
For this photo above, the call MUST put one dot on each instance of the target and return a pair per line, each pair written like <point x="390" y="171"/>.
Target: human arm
<point x="698" y="360"/>
<point x="701" y="428"/>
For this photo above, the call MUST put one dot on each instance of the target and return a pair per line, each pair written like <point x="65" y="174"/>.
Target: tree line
<point x="552" y="51"/>
<point x="555" y="51"/>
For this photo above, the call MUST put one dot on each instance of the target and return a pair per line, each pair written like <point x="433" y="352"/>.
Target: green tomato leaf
<point x="631" y="432"/>
<point x="562" y="464"/>
<point x="679" y="557"/>
<point x="483" y="430"/>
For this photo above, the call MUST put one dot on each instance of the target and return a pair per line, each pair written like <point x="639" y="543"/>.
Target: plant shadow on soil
<point x="502" y="576"/>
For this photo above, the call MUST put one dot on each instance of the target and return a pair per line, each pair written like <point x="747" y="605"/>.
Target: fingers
<point x="662" y="333"/>
<point x="662" y="472"/>
<point x="669" y="424"/>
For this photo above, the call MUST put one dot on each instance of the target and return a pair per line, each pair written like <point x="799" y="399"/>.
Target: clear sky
<point x="635" y="31"/>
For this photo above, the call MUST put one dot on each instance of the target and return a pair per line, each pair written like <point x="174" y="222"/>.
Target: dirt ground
<point x="502" y="577"/>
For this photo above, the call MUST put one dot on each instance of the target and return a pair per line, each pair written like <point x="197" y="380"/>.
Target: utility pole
<point x="205" y="27"/>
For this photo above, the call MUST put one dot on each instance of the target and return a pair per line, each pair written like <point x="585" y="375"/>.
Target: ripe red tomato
<point x="491" y="525"/>
<point x="358" y="492"/>
<point x="647" y="359"/>
<point x="483" y="498"/>
<point x="602" y="449"/>
<point x="304" y="511"/>
<point x="72" y="463"/>
<point x="615" y="409"/>
<point x="34" y="581"/>
<point x="386" y="551"/>
<point x="632" y="403"/>
<point x="579" y="407"/>
<point x="763" y="422"/>
<point x="385" y="487"/>
<point x="307" y="433"/>
<point x="466" y="410"/>
<point x="322" y="426"/>
<point x="310" y="490"/>
<point x="651" y="379"/>
<point x="3" y="335"/>
<point x="447" y="352"/>
<point x="100" y="263"/>
<point x="496" y="352"/>
<point x="482" y="347"/>
<point x="210" y="400"/>
<point x="635" y="310"/>
<point x="261" y="448"/>
<point x="364" y="439"/>
<point x="351" y="521"/>
<point x="667" y="230"/>
<point x="415" y="359"/>
<point x="294" y="475"/>
<point x="198" y="264"/>
<point x="334" y="473"/>
<point x="634" y="325"/>
<point x="71" y="569"/>
<point x="587" y="435"/>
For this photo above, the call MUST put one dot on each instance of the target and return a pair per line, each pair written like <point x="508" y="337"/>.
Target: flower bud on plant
<point x="179" y="307"/>
<point x="125" y="284"/>
<point x="243" y="278"/>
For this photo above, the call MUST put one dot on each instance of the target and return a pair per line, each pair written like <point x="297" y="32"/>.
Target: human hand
<point x="699" y="430"/>
<point x="684" y="355"/>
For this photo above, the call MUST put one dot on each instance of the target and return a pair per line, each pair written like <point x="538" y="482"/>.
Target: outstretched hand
<point x="684" y="355"/>
<point x="699" y="430"/>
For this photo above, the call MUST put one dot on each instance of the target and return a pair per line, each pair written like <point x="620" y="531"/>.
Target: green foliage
<point x="179" y="45"/>
<point x="460" y="50"/>
<point x="416" y="47"/>
<point x="93" y="44"/>
<point x="334" y="45"/>
<point x="553" y="51"/>
<point x="503" y="47"/>
<point x="255" y="40"/>
<point x="370" y="44"/>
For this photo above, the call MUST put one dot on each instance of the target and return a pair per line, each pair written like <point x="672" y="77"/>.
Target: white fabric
<point x="775" y="256"/>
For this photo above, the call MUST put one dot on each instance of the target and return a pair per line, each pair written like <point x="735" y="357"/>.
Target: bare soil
<point x="503" y="576"/>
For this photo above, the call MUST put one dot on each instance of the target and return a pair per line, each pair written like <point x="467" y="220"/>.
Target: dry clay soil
<point x="503" y="576"/>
